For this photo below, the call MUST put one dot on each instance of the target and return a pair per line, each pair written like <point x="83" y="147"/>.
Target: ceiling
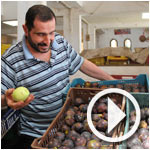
<point x="94" y="12"/>
<point x="97" y="12"/>
<point x="114" y="9"/>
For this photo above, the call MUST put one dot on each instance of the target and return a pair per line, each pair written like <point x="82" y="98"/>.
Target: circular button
<point x="124" y="93"/>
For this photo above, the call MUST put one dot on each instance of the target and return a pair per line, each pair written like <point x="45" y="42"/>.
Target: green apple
<point x="20" y="94"/>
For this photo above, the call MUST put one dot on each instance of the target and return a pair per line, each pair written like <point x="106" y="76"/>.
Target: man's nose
<point x="47" y="39"/>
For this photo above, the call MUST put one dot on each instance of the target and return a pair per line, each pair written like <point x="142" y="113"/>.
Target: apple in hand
<point x="20" y="94"/>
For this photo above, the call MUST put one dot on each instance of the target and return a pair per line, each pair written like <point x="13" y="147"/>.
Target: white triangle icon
<point x="115" y="115"/>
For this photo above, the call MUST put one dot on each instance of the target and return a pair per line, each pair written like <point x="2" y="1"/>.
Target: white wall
<point x="71" y="26"/>
<point x="103" y="40"/>
<point x="91" y="32"/>
<point x="85" y="32"/>
<point x="7" y="14"/>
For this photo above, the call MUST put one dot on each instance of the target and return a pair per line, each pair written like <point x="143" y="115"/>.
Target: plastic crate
<point x="143" y="101"/>
<point x="8" y="120"/>
<point x="86" y="94"/>
<point x="141" y="79"/>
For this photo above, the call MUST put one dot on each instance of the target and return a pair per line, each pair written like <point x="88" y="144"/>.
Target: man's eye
<point x="40" y="34"/>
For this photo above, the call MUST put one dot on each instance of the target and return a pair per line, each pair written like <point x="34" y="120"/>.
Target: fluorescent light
<point x="145" y="15"/>
<point x="11" y="22"/>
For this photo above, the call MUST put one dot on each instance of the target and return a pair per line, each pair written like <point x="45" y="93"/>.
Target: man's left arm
<point x="94" y="71"/>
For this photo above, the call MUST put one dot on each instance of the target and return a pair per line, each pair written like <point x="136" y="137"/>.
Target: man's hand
<point x="16" y="105"/>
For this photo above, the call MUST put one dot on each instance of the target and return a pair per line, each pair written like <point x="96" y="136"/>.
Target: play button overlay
<point x="115" y="115"/>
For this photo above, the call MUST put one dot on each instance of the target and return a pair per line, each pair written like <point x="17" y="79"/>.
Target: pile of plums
<point x="140" y="140"/>
<point x="75" y="132"/>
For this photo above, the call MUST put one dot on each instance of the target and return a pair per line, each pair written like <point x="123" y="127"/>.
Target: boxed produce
<point x="140" y="139"/>
<point x="70" y="128"/>
<point x="139" y="84"/>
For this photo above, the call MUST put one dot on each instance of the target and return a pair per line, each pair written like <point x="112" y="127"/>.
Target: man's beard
<point x="36" y="46"/>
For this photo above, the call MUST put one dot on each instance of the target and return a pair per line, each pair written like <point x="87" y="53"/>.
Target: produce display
<point x="75" y="132"/>
<point x="140" y="140"/>
<point x="70" y="129"/>
<point x="134" y="87"/>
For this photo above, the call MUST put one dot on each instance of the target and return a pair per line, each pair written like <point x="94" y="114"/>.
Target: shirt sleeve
<point x="75" y="60"/>
<point x="7" y="75"/>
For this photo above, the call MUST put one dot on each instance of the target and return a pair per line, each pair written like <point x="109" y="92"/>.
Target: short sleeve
<point x="75" y="60"/>
<point x="7" y="76"/>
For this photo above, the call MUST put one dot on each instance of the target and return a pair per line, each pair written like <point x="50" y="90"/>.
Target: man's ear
<point x="25" y="29"/>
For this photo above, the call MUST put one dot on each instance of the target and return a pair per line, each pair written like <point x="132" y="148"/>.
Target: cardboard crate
<point x="86" y="94"/>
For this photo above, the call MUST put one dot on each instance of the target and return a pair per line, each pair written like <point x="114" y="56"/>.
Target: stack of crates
<point x="98" y="61"/>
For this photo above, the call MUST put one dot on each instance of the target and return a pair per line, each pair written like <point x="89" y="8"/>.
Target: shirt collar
<point x="26" y="51"/>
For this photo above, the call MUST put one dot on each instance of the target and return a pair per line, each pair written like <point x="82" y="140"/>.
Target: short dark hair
<point x="43" y="13"/>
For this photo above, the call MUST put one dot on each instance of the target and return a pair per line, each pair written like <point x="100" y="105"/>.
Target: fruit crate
<point x="86" y="94"/>
<point x="141" y="79"/>
<point x="143" y="101"/>
<point x="8" y="120"/>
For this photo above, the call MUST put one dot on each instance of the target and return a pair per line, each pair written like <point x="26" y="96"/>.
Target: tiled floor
<point x="115" y="70"/>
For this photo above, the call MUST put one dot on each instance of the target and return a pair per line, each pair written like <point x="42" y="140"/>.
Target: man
<point x="41" y="62"/>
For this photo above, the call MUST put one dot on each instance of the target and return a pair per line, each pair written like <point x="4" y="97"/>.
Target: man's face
<point x="41" y="35"/>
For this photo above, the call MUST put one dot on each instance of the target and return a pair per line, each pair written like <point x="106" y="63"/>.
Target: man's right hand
<point x="17" y="105"/>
